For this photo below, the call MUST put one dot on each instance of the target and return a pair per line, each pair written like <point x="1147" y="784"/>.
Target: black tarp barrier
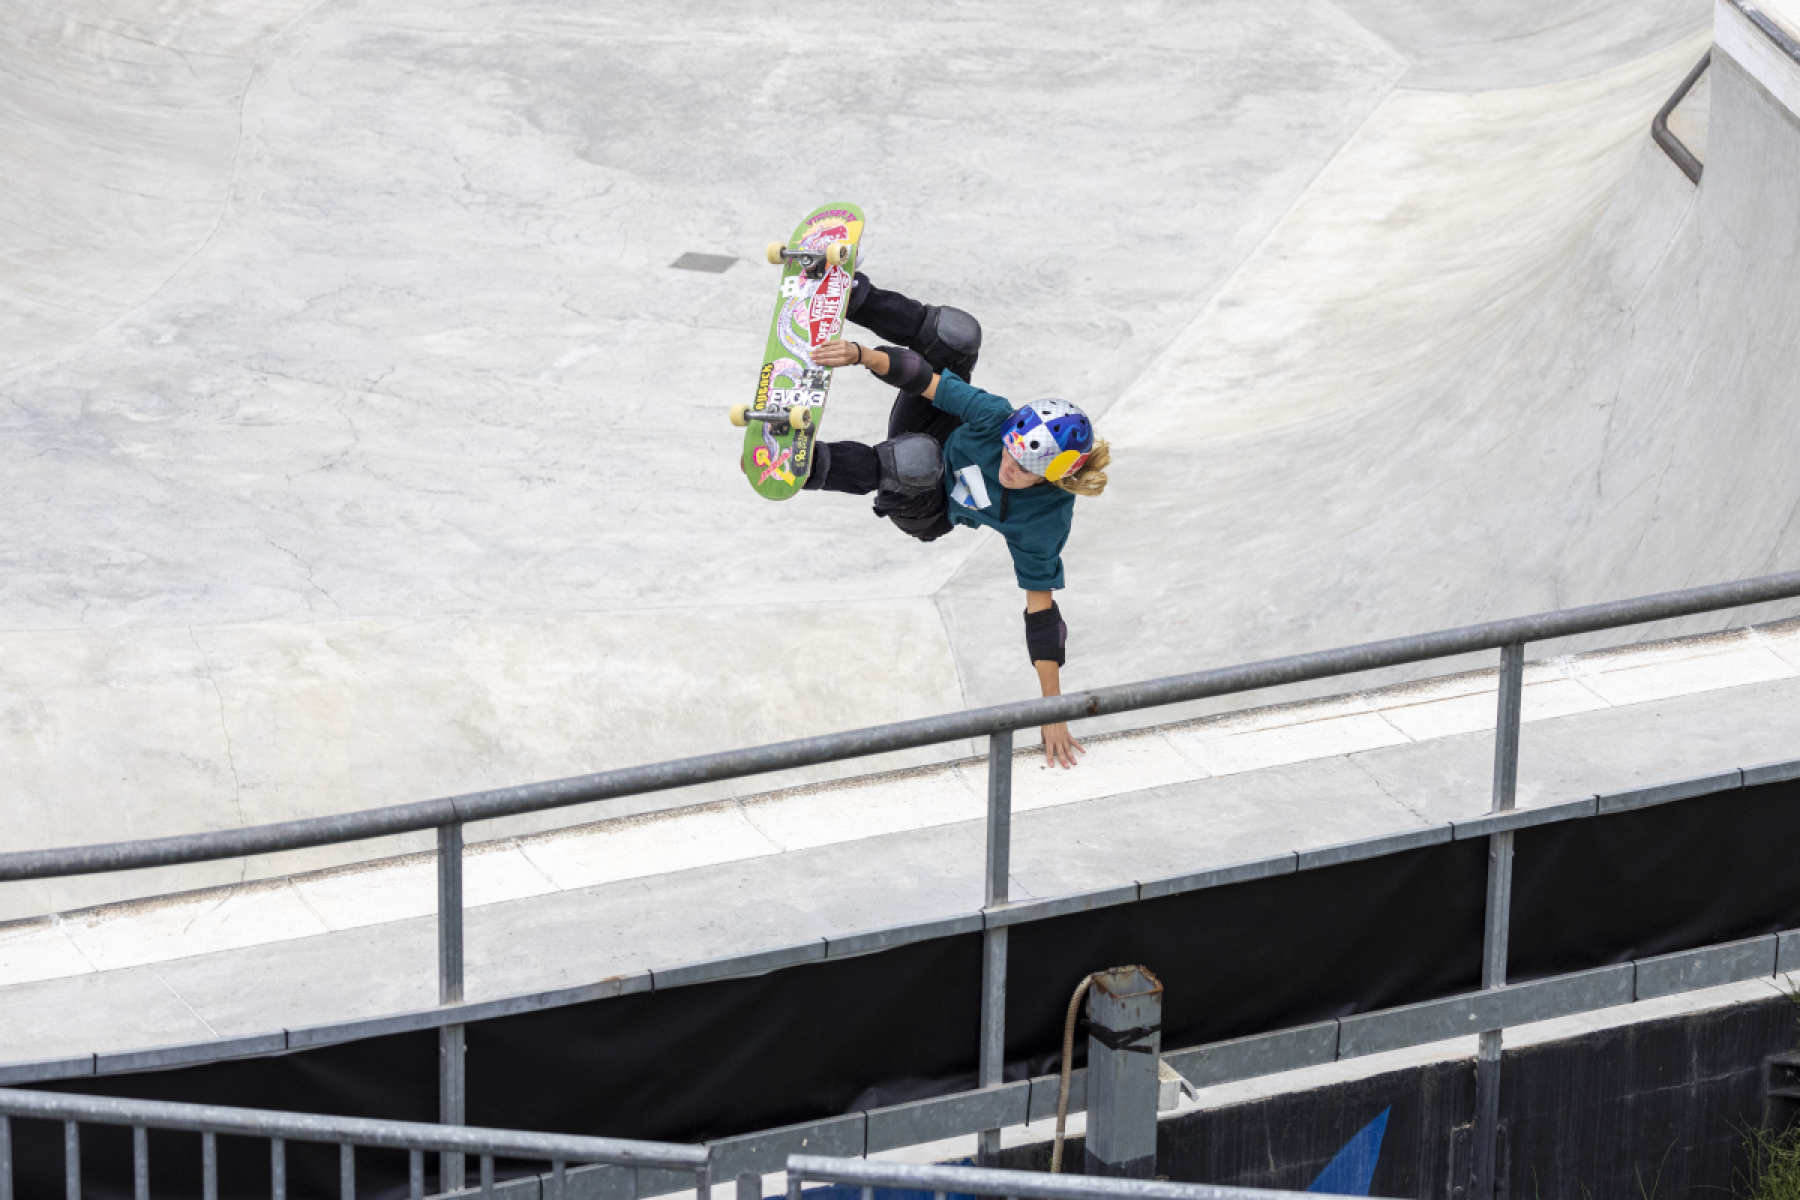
<point x="1654" y="880"/>
<point x="1261" y="955"/>
<point x="811" y="1041"/>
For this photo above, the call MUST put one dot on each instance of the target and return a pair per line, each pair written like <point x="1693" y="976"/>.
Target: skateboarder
<point x="957" y="455"/>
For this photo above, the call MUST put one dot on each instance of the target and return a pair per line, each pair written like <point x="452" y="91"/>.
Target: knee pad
<point x="911" y="465"/>
<point x="949" y="338"/>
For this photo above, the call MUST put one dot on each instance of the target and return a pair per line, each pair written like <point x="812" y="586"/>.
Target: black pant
<point x="853" y="467"/>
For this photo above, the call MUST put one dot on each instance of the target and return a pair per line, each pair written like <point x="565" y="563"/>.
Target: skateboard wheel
<point x="738" y="417"/>
<point x="775" y="253"/>
<point x="800" y="418"/>
<point x="838" y="253"/>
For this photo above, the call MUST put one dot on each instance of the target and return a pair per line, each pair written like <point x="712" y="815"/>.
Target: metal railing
<point x="1673" y="146"/>
<point x="449" y="816"/>
<point x="945" y="1181"/>
<point x="347" y="1133"/>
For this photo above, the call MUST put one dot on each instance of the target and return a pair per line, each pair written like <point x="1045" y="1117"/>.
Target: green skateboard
<point x="818" y="265"/>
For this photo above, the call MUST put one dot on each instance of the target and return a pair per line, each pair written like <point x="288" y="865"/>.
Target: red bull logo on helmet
<point x="1052" y="438"/>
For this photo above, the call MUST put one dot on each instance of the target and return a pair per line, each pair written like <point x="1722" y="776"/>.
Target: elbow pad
<point x="907" y="370"/>
<point x="1046" y="635"/>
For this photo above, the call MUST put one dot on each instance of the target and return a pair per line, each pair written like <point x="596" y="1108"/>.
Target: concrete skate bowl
<point x="364" y="445"/>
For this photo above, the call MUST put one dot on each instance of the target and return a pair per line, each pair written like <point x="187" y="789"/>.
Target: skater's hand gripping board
<point x="782" y="421"/>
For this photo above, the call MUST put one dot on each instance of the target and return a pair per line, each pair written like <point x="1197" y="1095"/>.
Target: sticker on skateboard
<point x="780" y="424"/>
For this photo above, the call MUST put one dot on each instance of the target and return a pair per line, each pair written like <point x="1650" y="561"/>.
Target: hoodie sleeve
<point x="982" y="412"/>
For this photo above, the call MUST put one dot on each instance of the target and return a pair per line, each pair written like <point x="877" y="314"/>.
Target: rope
<point x="1068" y="1061"/>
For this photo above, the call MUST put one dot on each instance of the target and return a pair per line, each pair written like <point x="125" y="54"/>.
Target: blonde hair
<point x="1091" y="479"/>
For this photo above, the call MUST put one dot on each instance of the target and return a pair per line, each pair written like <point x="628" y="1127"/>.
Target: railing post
<point x="452" y="1077"/>
<point x="1499" y="918"/>
<point x="992" y="1070"/>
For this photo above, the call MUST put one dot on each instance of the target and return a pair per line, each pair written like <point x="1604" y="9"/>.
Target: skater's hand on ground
<point x="1060" y="746"/>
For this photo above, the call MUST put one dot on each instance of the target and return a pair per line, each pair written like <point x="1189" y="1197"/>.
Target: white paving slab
<point x="818" y="816"/>
<point x="1272" y="737"/>
<point x="41" y="949"/>
<point x="1112" y="766"/>
<point x="196" y="923"/>
<point x="641" y="846"/>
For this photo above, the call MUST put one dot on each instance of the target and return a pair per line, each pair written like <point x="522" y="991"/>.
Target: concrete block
<point x="1259" y="1054"/>
<point x="738" y="967"/>
<point x="13" y="1074"/>
<point x="1476" y="1012"/>
<point x="482" y="1010"/>
<point x="1045" y="1089"/>
<point x="1525" y="818"/>
<point x="901" y="935"/>
<point x="1375" y="847"/>
<point x="948" y="1116"/>
<point x="1709" y="966"/>
<point x="1787" y="952"/>
<point x="1663" y="793"/>
<point x="1775" y="772"/>
<point x="196" y="1052"/>
<point x="1259" y="868"/>
<point x="767" y="1152"/>
<point x="1057" y="906"/>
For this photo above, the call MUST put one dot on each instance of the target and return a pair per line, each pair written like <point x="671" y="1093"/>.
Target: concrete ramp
<point x="1612" y="416"/>
<point x="391" y="461"/>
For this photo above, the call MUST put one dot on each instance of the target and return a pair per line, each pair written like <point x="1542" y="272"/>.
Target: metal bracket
<point x="1460" y="1181"/>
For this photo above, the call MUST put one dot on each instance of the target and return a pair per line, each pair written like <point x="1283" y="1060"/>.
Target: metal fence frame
<point x="452" y="1145"/>
<point x="944" y="1181"/>
<point x="448" y="817"/>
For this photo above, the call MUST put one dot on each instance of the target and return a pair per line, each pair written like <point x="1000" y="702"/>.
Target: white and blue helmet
<point x="1051" y="438"/>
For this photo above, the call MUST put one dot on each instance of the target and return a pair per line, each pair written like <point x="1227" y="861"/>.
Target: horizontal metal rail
<point x="1770" y="29"/>
<point x="903" y="735"/>
<point x="357" y="1131"/>
<point x="986" y="1181"/>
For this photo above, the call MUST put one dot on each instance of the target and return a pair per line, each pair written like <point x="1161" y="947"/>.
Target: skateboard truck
<point x="784" y="419"/>
<point x="812" y="262"/>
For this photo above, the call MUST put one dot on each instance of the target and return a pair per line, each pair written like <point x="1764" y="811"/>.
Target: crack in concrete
<point x="1355" y="761"/>
<point x="310" y="581"/>
<point x="182" y="1000"/>
<point x="237" y="784"/>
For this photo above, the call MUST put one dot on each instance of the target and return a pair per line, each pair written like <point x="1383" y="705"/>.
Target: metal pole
<point x="72" y="1160"/>
<point x="1499" y="918"/>
<point x="452" y="1067"/>
<point x="140" y="1163"/>
<point x="992" y="1070"/>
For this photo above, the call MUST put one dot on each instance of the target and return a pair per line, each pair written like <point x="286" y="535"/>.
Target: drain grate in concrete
<point x="714" y="263"/>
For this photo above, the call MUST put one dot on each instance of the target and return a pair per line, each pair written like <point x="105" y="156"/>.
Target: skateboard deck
<point x="818" y="264"/>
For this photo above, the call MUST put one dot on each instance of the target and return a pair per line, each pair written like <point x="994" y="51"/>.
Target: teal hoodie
<point x="1034" y="521"/>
